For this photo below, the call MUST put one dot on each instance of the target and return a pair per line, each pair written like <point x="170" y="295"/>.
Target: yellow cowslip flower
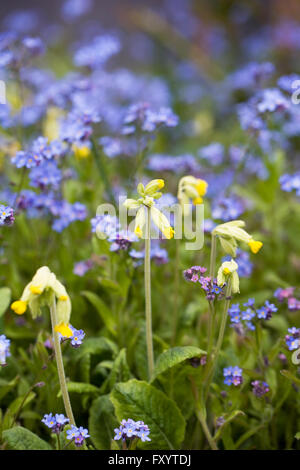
<point x="191" y="188"/>
<point x="81" y="152"/>
<point x="232" y="232"/>
<point x="64" y="330"/>
<point x="40" y="292"/>
<point x="19" y="307"/>
<point x="148" y="195"/>
<point x="229" y="270"/>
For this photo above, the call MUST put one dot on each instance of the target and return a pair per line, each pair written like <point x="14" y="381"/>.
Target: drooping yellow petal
<point x="19" y="307"/>
<point x="201" y="187"/>
<point x="168" y="232"/>
<point x="197" y="200"/>
<point x="255" y="246"/>
<point x="64" y="330"/>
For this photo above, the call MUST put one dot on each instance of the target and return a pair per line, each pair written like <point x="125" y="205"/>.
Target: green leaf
<point x="297" y="436"/>
<point x="15" y="407"/>
<point x="104" y="312"/>
<point x="81" y="388"/>
<point x="102" y="422"/>
<point x="174" y="356"/>
<point x="5" y="296"/>
<point x="97" y="347"/>
<point x="19" y="438"/>
<point x="140" y="401"/>
<point x="120" y="371"/>
<point x="7" y="387"/>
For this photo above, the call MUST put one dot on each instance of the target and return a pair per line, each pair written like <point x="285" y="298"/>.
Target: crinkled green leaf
<point x="174" y="356"/>
<point x="19" y="438"/>
<point x="102" y="422"/>
<point x="140" y="401"/>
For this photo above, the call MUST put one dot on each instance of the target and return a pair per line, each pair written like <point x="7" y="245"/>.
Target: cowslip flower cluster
<point x="77" y="435"/>
<point x="4" y="349"/>
<point x="260" y="388"/>
<point x="130" y="429"/>
<point x="191" y="189"/>
<point x="149" y="194"/>
<point x="6" y="215"/>
<point x="293" y="338"/>
<point x="210" y="287"/>
<point x="232" y="232"/>
<point x="288" y="294"/>
<point x="233" y="375"/>
<point x="55" y="422"/>
<point x="41" y="290"/>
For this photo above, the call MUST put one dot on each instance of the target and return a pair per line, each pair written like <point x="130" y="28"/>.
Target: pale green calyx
<point x="232" y="232"/>
<point x="228" y="273"/>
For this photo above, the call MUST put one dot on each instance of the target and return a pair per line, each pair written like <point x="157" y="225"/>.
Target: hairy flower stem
<point x="60" y="364"/>
<point x="201" y="414"/>
<point x="211" y="327"/>
<point x="148" y="309"/>
<point x="212" y="365"/>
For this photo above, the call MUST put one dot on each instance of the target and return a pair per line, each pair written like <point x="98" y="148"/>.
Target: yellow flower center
<point x="63" y="297"/>
<point x="226" y="271"/>
<point x="19" y="307"/>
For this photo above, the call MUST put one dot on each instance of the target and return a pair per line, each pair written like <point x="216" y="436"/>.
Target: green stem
<point x="60" y="364"/>
<point x="206" y="431"/>
<point x="201" y="414"/>
<point x="213" y="255"/>
<point x="212" y="365"/>
<point x="148" y="312"/>
<point x="58" y="442"/>
<point x="211" y="327"/>
<point x="176" y="290"/>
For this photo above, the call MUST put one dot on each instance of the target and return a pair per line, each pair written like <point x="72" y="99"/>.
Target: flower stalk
<point x="148" y="307"/>
<point x="60" y="364"/>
